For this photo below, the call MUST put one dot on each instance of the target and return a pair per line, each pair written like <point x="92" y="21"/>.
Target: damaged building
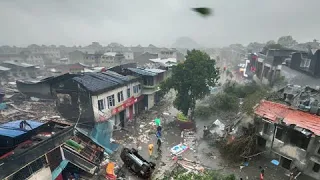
<point x="21" y="70"/>
<point x="151" y="82"/>
<point x="268" y="65"/>
<point x="51" y="150"/>
<point x="292" y="136"/>
<point x="99" y="103"/>
<point x="27" y="151"/>
<point x="308" y="63"/>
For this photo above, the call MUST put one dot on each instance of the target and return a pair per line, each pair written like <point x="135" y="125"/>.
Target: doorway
<point x="122" y="115"/>
<point x="131" y="112"/>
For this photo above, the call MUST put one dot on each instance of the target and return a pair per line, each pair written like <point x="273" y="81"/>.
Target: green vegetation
<point x="182" y="117"/>
<point x="191" y="80"/>
<point x="228" y="100"/>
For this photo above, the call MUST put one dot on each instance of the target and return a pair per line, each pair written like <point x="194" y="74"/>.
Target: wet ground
<point x="143" y="133"/>
<point x="207" y="155"/>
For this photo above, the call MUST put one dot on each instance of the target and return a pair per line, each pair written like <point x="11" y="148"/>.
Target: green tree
<point x="287" y="41"/>
<point x="191" y="80"/>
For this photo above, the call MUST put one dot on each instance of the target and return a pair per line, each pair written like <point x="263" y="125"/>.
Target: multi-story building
<point x="291" y="136"/>
<point x="91" y="58"/>
<point x="151" y="82"/>
<point x="167" y="53"/>
<point x="306" y="62"/>
<point x="99" y="102"/>
<point x="268" y="65"/>
<point x="22" y="70"/>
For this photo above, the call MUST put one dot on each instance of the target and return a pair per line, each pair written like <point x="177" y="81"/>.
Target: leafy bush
<point x="203" y="111"/>
<point x="182" y="117"/>
<point x="224" y="102"/>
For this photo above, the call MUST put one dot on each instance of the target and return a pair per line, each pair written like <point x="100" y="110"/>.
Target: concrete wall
<point x="300" y="157"/>
<point x="150" y="101"/>
<point x="76" y="56"/>
<point x="107" y="111"/>
<point x="128" y="55"/>
<point x="42" y="174"/>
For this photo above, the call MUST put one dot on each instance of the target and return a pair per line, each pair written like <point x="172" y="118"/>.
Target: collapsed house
<point x="27" y="151"/>
<point x="52" y="150"/>
<point x="292" y="136"/>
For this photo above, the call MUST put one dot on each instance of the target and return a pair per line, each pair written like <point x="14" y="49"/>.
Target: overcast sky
<point x="158" y="22"/>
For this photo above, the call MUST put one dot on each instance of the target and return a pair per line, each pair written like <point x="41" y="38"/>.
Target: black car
<point x="137" y="164"/>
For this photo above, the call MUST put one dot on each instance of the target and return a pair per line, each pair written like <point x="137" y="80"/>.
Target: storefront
<point x="127" y="110"/>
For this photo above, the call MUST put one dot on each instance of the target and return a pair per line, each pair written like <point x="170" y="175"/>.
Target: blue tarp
<point x="2" y="105"/>
<point x="59" y="169"/>
<point x="101" y="135"/>
<point x="12" y="129"/>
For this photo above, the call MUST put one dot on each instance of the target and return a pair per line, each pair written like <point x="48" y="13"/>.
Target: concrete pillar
<point x="311" y="145"/>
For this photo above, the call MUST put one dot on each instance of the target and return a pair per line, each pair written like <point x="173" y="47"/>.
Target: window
<point x="285" y="163"/>
<point x="135" y="89"/>
<point x="128" y="93"/>
<point x="100" y="104"/>
<point x="148" y="81"/>
<point x="316" y="167"/>
<point x="120" y="96"/>
<point x="319" y="150"/>
<point x="266" y="128"/>
<point x="300" y="140"/>
<point x="111" y="102"/>
<point x="279" y="133"/>
<point x="139" y="87"/>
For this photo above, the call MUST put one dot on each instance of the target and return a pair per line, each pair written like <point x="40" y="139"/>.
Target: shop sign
<point x="129" y="102"/>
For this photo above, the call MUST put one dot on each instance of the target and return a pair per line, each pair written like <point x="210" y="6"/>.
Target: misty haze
<point x="165" y="90"/>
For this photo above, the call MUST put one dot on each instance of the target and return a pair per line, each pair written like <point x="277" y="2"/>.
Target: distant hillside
<point x="186" y="42"/>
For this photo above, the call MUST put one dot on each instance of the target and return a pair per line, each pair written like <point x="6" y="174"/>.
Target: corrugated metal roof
<point x="156" y="70"/>
<point x="12" y="129"/>
<point x="4" y="68"/>
<point x="143" y="72"/>
<point x="18" y="64"/>
<point x="96" y="82"/>
<point x="272" y="111"/>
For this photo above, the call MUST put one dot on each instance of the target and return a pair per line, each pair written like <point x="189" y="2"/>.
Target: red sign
<point x="129" y="102"/>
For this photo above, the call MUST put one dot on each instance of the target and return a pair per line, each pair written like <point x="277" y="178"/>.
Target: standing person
<point x="159" y="144"/>
<point x="157" y="121"/>
<point x="261" y="173"/>
<point x="150" y="149"/>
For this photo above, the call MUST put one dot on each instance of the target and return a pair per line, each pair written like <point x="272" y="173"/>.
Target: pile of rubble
<point x="20" y="107"/>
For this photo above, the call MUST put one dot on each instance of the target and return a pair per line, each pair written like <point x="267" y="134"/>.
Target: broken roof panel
<point x="4" y="68"/>
<point x="273" y="111"/>
<point x="12" y="129"/>
<point x="143" y="72"/>
<point x="99" y="82"/>
<point x="18" y="64"/>
<point x="156" y="70"/>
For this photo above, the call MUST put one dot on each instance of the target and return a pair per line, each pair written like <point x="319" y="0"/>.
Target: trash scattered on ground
<point x="217" y="128"/>
<point x="178" y="149"/>
<point x="189" y="138"/>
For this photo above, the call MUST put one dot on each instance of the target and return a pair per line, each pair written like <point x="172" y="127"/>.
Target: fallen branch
<point x="15" y="107"/>
<point x="254" y="155"/>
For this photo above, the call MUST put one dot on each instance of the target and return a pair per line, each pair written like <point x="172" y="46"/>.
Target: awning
<point x="109" y="150"/>
<point x="59" y="169"/>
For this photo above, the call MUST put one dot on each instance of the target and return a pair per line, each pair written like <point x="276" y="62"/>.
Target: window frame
<point x="120" y="96"/>
<point x="101" y="105"/>
<point x="111" y="101"/>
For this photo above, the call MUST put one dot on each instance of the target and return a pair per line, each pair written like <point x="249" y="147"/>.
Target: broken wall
<point x="270" y="138"/>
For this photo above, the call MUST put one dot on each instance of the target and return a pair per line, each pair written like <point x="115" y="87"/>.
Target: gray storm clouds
<point x="159" y="22"/>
